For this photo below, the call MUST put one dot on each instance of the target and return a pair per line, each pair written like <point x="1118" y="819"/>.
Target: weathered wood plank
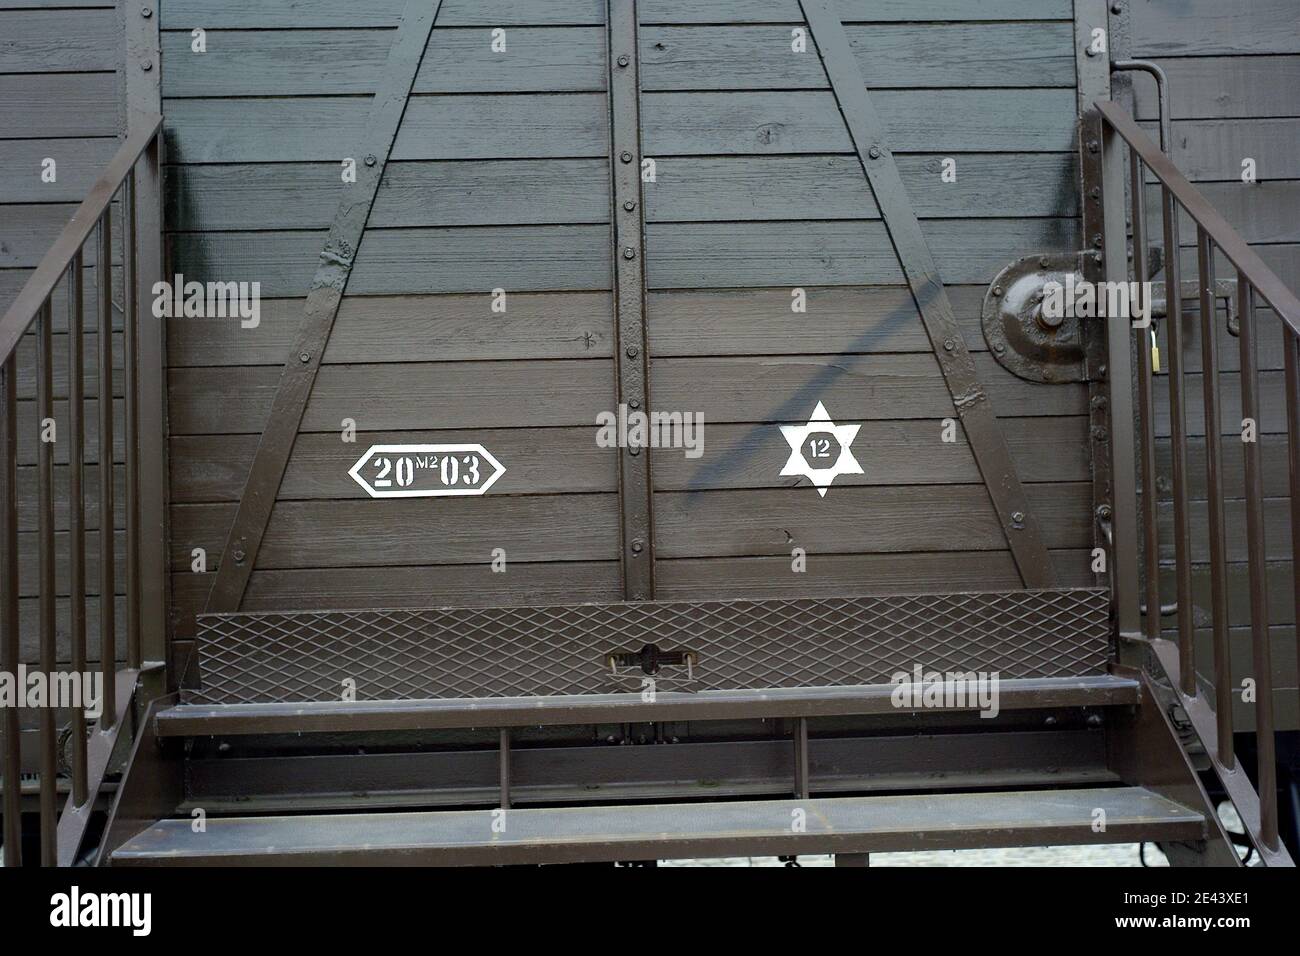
<point x="28" y="431"/>
<point x="13" y="280"/>
<point x="518" y="259"/>
<point x="1272" y="416"/>
<point x="1207" y="150"/>
<point x="265" y="14"/>
<point x="28" y="500"/>
<point x="296" y="129"/>
<point x="1273" y="452"/>
<point x="57" y="41"/>
<point x="1226" y="87"/>
<point x="688" y="124"/>
<point x="78" y="163"/>
<point x="851" y="575"/>
<point x="36" y="105"/>
<point x="399" y="397"/>
<point x="853" y="520"/>
<point x="26" y="358"/>
<point x="29" y="630"/>
<point x="380" y="533"/>
<point x="446" y="328"/>
<point x="29" y="559"/>
<point x="1282" y="644"/>
<point x="866" y="388"/>
<point x="28" y="230"/>
<point x="839" y="319"/>
<point x="712" y="255"/>
<point x="283" y="196"/>
<point x="207" y="469"/>
<point x="287" y="62"/>
<point x="788" y="11"/>
<point x="1268" y="330"/>
<point x="1198" y="27"/>
<point x="1000" y="185"/>
<point x="1281" y="603"/>
<point x="1263" y="212"/>
<point x="960" y="55"/>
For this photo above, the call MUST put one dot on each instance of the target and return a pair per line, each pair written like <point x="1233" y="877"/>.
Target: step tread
<point x="186" y="720"/>
<point x="665" y="831"/>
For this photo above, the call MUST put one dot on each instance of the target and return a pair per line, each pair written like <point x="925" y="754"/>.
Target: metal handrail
<point x="1269" y="287"/>
<point x="61" y="834"/>
<point x="1114" y="127"/>
<point x="54" y="264"/>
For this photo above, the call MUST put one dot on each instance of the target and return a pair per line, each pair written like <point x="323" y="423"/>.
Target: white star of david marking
<point x="797" y="435"/>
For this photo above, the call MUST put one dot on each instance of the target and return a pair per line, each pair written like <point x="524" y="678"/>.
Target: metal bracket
<point x="1026" y="340"/>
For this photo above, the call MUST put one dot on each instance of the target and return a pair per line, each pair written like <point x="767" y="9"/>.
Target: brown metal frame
<point x="988" y="444"/>
<point x="323" y="300"/>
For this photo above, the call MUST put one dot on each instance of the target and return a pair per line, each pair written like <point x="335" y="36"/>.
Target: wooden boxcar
<point x="604" y="430"/>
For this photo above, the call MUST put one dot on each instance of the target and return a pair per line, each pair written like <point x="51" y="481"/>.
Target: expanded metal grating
<point x="422" y="654"/>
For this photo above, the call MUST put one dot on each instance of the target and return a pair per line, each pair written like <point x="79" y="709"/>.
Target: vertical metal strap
<point x="327" y="288"/>
<point x="77" y="513"/>
<point x="11" y="755"/>
<point x="1291" y="348"/>
<point x="802" y="785"/>
<point x="969" y="398"/>
<point x="635" y="495"/>
<point x="131" y="412"/>
<point x="45" y="523"/>
<point x="503" y="737"/>
<point x="1223" y="691"/>
<point x="141" y="75"/>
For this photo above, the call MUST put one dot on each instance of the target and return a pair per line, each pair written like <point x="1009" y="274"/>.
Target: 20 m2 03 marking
<point x="426" y="471"/>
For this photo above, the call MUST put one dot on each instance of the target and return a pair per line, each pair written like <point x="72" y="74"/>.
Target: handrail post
<point x="1119" y="375"/>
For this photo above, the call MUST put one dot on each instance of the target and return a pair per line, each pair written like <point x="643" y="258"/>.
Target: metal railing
<point x="1116" y="131"/>
<point x="32" y="316"/>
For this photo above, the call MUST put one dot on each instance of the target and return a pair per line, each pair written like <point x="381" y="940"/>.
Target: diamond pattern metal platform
<point x="426" y="654"/>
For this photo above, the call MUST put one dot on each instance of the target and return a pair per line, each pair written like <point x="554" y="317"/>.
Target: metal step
<point x="672" y="831"/>
<point x="190" y="720"/>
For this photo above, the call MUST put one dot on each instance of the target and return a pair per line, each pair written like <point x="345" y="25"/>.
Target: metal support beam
<point x="505" y="767"/>
<point x="323" y="300"/>
<point x="628" y="234"/>
<point x="142" y="68"/>
<point x="972" y="404"/>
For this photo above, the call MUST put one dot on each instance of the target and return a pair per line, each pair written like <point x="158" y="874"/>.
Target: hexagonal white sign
<point x="426" y="471"/>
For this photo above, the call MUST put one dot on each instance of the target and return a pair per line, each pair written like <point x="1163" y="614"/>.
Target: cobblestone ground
<point x="1117" y="854"/>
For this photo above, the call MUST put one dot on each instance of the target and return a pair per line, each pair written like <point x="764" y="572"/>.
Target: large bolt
<point x="146" y="12"/>
<point x="637" y="546"/>
<point x="633" y="351"/>
<point x="874" y="152"/>
<point x="623" y="61"/>
<point x="626" y="157"/>
<point x="147" y="65"/>
<point x="629" y="253"/>
<point x="370" y="160"/>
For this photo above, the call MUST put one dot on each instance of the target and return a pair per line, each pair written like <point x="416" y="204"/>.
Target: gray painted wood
<point x="810" y="122"/>
<point x="382" y="533"/>
<point x="1281" y="602"/>
<point x="710" y="255"/>
<point x="185" y="14"/>
<point x="1223" y="87"/>
<point x="280" y="196"/>
<point x="833" y="187"/>
<point x="1275" y="468"/>
<point x="848" y="520"/>
<point x="27" y="366"/>
<point x="1263" y="212"/>
<point x="58" y="41"/>
<point x="419" y="328"/>
<point x="787" y="11"/>
<point x="1277" y="514"/>
<point x="957" y="55"/>
<point x="1209" y="150"/>
<point x="288" y="62"/>
<point x="1191" y="27"/>
<point x="1272" y="415"/>
<point x="34" y="106"/>
<point x="399" y="397"/>
<point x="78" y="163"/>
<point x="28" y="431"/>
<point x="518" y="259"/>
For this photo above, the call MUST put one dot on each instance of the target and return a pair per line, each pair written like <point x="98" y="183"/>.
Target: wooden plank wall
<point x="60" y="98"/>
<point x="499" y="178"/>
<point x="1234" y="72"/>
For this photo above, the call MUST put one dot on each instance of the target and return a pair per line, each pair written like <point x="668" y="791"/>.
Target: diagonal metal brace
<point x="987" y="442"/>
<point x="323" y="300"/>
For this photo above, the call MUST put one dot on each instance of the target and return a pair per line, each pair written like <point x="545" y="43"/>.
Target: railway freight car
<point x="484" y="432"/>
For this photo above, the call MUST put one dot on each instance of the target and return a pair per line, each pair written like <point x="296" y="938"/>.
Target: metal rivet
<point x="1017" y="516"/>
<point x="370" y="160"/>
<point x="634" y="404"/>
<point x="997" y="290"/>
<point x="238" y="555"/>
<point x="1116" y="9"/>
<point x="1096" y="241"/>
<point x="629" y="253"/>
<point x="629" y="206"/>
<point x="1044" y="262"/>
<point x="623" y="61"/>
<point x="874" y="152"/>
<point x="1093" y="146"/>
<point x="626" y="157"/>
<point x="304" y="356"/>
<point x="633" y="351"/>
<point x="146" y="12"/>
<point x="637" y="546"/>
<point x="1091" y="51"/>
<point x="949" y="345"/>
<point x="999" y="348"/>
<point x="147" y="65"/>
<point x="634" y="451"/>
